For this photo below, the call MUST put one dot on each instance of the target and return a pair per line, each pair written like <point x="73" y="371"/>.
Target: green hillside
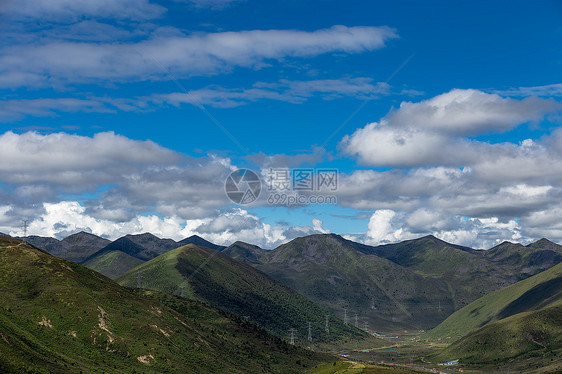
<point x="112" y="263"/>
<point x="524" y="342"/>
<point x="536" y="292"/>
<point x="59" y="317"/>
<point x="340" y="276"/>
<point x="218" y="280"/>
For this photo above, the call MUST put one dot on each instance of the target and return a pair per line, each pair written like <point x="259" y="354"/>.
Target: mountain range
<point x="491" y="307"/>
<point x="415" y="284"/>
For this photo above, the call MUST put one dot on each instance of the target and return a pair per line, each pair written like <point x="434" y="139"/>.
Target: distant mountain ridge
<point x="412" y="284"/>
<point x="76" y="247"/>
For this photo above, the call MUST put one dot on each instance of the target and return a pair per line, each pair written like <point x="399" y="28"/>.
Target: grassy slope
<point x="532" y="293"/>
<point x="57" y="316"/>
<point x="210" y="276"/>
<point x="342" y="367"/>
<point x="112" y="263"/>
<point x="524" y="341"/>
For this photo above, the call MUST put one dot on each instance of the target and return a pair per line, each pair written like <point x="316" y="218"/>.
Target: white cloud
<point x="388" y="226"/>
<point x="430" y="132"/>
<point x="67" y="217"/>
<point x="470" y="112"/>
<point x="183" y="55"/>
<point x="549" y="90"/>
<point x="382" y="230"/>
<point x="212" y="4"/>
<point x="70" y="159"/>
<point x="71" y="10"/>
<point x="220" y="97"/>
<point x="284" y="90"/>
<point x="318" y="225"/>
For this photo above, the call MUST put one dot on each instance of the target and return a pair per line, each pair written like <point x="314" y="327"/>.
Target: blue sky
<point x="127" y="116"/>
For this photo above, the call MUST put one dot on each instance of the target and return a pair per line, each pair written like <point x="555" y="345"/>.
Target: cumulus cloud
<point x="388" y="226"/>
<point x="470" y="112"/>
<point x="182" y="55"/>
<point x="433" y="132"/>
<point x="225" y="227"/>
<point x="74" y="160"/>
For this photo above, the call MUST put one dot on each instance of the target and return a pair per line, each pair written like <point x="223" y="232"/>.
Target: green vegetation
<point x="57" y="317"/>
<point x="414" y="284"/>
<point x="536" y="292"/>
<point x="338" y="274"/>
<point x="112" y="263"/>
<point x="211" y="277"/>
<point x="349" y="367"/>
<point x="526" y="341"/>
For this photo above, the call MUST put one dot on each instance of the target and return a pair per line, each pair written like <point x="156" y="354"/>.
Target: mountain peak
<point x="197" y="240"/>
<point x="544" y="243"/>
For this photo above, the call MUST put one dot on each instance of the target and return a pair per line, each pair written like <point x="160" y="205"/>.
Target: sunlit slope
<point x="529" y="340"/>
<point x="58" y="317"/>
<point x="536" y="292"/>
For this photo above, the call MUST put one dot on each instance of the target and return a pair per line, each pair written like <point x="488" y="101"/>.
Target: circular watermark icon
<point x="242" y="186"/>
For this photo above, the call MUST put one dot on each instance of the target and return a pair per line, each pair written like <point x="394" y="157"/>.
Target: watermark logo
<point x="299" y="186"/>
<point x="243" y="186"/>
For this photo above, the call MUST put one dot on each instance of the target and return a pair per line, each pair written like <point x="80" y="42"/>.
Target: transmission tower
<point x="366" y="326"/>
<point x="327" y="323"/>
<point x="373" y="306"/>
<point x="139" y="279"/>
<point x="181" y="291"/>
<point x="439" y="309"/>
<point x="292" y="335"/>
<point x="345" y="316"/>
<point x="310" y="331"/>
<point x="356" y="322"/>
<point x="25" y="223"/>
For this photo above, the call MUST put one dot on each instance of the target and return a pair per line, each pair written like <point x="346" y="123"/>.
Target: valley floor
<point x="407" y="353"/>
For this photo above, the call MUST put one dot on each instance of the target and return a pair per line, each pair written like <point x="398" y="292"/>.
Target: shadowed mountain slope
<point x="210" y="276"/>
